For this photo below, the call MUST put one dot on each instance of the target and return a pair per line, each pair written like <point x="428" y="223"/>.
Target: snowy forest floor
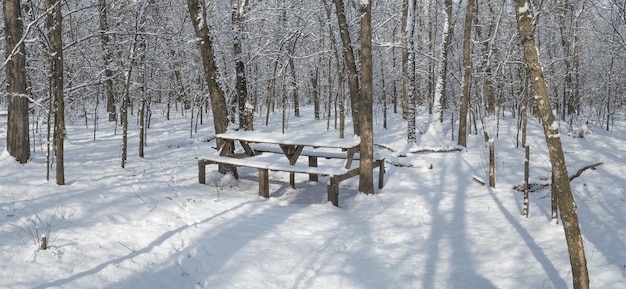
<point x="151" y="225"/>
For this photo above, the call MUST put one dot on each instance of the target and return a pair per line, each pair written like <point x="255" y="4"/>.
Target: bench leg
<point x="292" y="180"/>
<point x="333" y="191"/>
<point x="313" y="163"/>
<point x="381" y="173"/>
<point x="264" y="186"/>
<point x="202" y="171"/>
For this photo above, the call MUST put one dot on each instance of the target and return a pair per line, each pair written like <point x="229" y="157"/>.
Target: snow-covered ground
<point x="151" y="225"/>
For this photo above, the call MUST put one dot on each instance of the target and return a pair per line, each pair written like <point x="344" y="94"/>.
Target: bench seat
<point x="337" y="174"/>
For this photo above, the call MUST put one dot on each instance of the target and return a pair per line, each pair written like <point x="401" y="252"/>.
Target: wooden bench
<point x="336" y="174"/>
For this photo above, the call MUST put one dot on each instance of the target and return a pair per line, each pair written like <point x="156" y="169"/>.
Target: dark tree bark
<point x="366" y="178"/>
<point x="464" y="103"/>
<point x="211" y="75"/>
<point x="18" y="140"/>
<point x="340" y="76"/>
<point x="126" y="98"/>
<point x="197" y="10"/>
<point x="241" y="86"/>
<point x="353" y="76"/>
<point x="315" y="90"/>
<point x="405" y="61"/>
<point x="566" y="201"/>
<point x="54" y="27"/>
<point x="107" y="59"/>
<point x="487" y="49"/>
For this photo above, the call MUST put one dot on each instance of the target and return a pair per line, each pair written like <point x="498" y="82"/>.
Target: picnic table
<point x="292" y="146"/>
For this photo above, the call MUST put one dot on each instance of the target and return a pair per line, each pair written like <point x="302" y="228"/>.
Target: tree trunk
<point x="488" y="48"/>
<point x="366" y="178"/>
<point x="410" y="76"/>
<point x="353" y="77"/>
<point x="569" y="40"/>
<point x="126" y="99"/>
<point x="405" y="58"/>
<point x="340" y="76"/>
<point x="18" y="140"/>
<point x="295" y="94"/>
<point x="241" y="86"/>
<point x="54" y="26"/>
<point x="566" y="201"/>
<point x="464" y="104"/>
<point x="107" y="59"/>
<point x="197" y="10"/>
<point x="440" y="86"/>
<point x="142" y="95"/>
<point x="211" y="74"/>
<point x="316" y="92"/>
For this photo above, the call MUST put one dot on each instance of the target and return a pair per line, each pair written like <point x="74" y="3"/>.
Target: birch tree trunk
<point x="18" y="140"/>
<point x="566" y="201"/>
<point x="54" y="26"/>
<point x="410" y="69"/>
<point x="142" y="94"/>
<point x="366" y="178"/>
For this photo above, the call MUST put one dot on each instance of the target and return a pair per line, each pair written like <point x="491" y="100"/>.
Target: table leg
<point x="333" y="191"/>
<point x="292" y="180"/>
<point x="381" y="173"/>
<point x="313" y="163"/>
<point x="264" y="186"/>
<point x="350" y="156"/>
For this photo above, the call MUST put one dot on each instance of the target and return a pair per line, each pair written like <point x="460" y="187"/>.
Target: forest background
<point x="273" y="56"/>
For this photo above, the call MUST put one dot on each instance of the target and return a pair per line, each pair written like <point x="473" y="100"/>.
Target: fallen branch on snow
<point x="579" y="172"/>
<point x="535" y="187"/>
<point x="403" y="165"/>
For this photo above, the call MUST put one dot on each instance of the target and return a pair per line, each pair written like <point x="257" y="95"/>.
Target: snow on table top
<point x="312" y="139"/>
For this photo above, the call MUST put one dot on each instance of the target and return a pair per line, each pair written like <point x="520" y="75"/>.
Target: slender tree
<point x="366" y="179"/>
<point x="353" y="76"/>
<point x="126" y="103"/>
<point x="18" y="140"/>
<point x="464" y="104"/>
<point x="566" y="201"/>
<point x="410" y="70"/>
<point x="197" y="10"/>
<point x="241" y="86"/>
<point x="54" y="21"/>
<point x="340" y="73"/>
<point x="440" y="86"/>
<point x="105" y="39"/>
<point x="405" y="60"/>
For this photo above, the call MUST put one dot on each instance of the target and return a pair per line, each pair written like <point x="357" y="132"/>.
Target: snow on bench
<point x="337" y="174"/>
<point x="305" y="152"/>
